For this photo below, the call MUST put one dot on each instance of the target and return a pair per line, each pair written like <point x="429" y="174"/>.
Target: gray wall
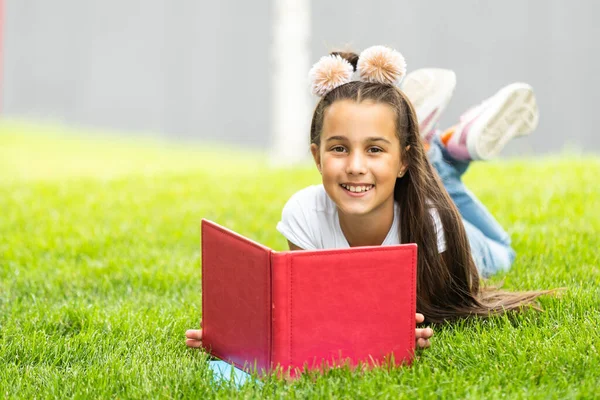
<point x="196" y="69"/>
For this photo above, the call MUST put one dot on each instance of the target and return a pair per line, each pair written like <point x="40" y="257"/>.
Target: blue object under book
<point x="224" y="372"/>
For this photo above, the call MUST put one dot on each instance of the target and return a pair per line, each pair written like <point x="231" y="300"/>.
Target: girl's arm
<point x="293" y="247"/>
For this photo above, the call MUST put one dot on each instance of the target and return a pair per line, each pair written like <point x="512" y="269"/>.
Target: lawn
<point x="100" y="273"/>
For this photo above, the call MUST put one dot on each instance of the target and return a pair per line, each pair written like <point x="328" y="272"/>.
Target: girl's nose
<point x="357" y="164"/>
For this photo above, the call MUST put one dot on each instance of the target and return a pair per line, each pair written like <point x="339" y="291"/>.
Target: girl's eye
<point x="338" y="149"/>
<point x="374" y="150"/>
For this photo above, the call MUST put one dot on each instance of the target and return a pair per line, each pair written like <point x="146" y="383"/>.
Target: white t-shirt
<point x="310" y="221"/>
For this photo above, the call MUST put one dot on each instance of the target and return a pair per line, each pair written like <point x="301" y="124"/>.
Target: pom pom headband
<point x="378" y="64"/>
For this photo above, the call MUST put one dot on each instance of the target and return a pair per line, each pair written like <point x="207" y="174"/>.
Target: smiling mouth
<point x="357" y="188"/>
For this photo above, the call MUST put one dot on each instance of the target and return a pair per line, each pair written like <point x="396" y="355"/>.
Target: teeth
<point x="357" y="189"/>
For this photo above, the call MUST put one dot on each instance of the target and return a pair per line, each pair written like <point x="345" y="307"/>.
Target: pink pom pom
<point x="328" y="73"/>
<point x="382" y="65"/>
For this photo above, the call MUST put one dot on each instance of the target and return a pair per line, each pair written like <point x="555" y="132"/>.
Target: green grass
<point x="100" y="273"/>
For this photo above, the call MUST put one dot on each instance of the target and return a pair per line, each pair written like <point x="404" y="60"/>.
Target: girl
<point x="380" y="188"/>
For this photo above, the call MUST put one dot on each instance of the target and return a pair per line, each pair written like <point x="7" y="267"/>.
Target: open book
<point x="290" y="310"/>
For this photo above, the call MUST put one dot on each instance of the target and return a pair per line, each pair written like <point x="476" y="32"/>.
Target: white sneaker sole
<point x="513" y="112"/>
<point x="429" y="89"/>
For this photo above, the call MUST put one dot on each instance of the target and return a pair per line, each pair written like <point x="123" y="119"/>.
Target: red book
<point x="292" y="310"/>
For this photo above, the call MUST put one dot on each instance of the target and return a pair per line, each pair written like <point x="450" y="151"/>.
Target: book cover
<point x="263" y="309"/>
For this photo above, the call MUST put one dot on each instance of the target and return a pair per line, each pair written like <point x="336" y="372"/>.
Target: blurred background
<point x="236" y="71"/>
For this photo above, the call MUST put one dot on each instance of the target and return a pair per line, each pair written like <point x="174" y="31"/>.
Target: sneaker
<point x="429" y="90"/>
<point x="484" y="130"/>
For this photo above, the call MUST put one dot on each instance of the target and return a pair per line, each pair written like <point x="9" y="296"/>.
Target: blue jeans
<point x="490" y="244"/>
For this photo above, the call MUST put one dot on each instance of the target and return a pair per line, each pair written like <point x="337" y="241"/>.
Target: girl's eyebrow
<point x="378" y="139"/>
<point x="369" y="139"/>
<point x="336" y="138"/>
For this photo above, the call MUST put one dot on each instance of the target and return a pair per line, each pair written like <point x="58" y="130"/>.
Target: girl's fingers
<point x="193" y="343"/>
<point x="424" y="333"/>
<point x="194" y="337"/>
<point x="195" y="334"/>
<point x="420" y="318"/>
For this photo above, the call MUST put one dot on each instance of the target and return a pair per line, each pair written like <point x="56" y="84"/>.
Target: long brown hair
<point x="448" y="283"/>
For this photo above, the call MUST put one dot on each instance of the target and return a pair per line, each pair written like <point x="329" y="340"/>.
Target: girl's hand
<point x="422" y="335"/>
<point x="193" y="337"/>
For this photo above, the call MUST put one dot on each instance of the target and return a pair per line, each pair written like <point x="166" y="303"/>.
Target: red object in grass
<point x="288" y="311"/>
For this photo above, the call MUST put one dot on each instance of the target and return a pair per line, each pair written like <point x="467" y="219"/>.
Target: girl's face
<point x="359" y="156"/>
